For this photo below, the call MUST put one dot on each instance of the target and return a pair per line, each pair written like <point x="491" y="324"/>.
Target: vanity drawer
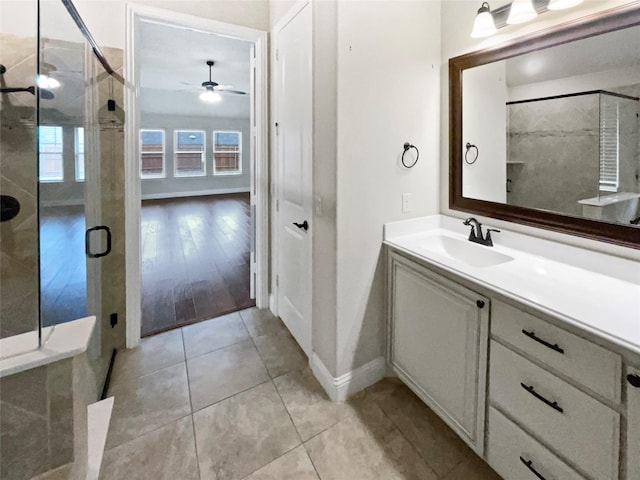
<point x="588" y="364"/>
<point x="574" y="425"/>
<point x="508" y="448"/>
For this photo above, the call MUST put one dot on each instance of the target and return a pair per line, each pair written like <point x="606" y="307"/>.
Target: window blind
<point x="609" y="144"/>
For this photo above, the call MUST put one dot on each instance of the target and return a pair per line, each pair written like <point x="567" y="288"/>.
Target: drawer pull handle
<point x="529" y="465"/>
<point x="554" y="347"/>
<point x="532" y="391"/>
<point x="634" y="380"/>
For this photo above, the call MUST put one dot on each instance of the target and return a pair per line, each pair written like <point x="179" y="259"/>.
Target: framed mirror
<point x="545" y="130"/>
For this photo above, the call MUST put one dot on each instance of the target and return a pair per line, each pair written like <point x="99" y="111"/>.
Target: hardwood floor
<point x="63" y="268"/>
<point x="195" y="259"/>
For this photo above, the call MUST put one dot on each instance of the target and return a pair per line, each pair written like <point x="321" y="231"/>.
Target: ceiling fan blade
<point x="190" y="84"/>
<point x="231" y="92"/>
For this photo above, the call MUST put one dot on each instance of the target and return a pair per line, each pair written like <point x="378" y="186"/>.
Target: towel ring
<point x="466" y="159"/>
<point x="407" y="146"/>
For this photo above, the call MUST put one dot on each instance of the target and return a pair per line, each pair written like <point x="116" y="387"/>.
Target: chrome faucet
<point x="476" y="235"/>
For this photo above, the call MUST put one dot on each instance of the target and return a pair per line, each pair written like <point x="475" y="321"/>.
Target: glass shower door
<point x="62" y="170"/>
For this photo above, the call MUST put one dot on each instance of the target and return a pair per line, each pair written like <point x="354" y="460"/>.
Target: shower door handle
<point x="87" y="242"/>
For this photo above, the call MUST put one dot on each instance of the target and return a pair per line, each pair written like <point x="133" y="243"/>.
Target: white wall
<point x="484" y="124"/>
<point x="278" y="8"/>
<point x="106" y="18"/>
<point x="457" y="21"/>
<point x="178" y="186"/>
<point x="388" y="93"/>
<point x="325" y="136"/>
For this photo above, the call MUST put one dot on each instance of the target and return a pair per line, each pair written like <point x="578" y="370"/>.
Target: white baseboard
<point x="340" y="388"/>
<point x="194" y="193"/>
<point x="272" y="304"/>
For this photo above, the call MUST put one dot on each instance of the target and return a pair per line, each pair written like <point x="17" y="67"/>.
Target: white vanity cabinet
<point x="438" y="347"/>
<point x="535" y="398"/>
<point x="633" y="423"/>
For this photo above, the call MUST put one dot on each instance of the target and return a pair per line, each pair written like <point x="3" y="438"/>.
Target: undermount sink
<point x="463" y="251"/>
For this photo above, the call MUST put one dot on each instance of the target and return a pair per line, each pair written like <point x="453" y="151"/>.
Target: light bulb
<point x="562" y="4"/>
<point x="521" y="11"/>
<point x="210" y="96"/>
<point x="44" y="81"/>
<point x="483" y="25"/>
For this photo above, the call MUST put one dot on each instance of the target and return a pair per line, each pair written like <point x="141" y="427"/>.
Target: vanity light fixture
<point x="562" y="4"/>
<point x="521" y="11"/>
<point x="487" y="21"/>
<point x="483" y="25"/>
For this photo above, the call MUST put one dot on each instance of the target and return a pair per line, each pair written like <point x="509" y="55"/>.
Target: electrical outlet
<point x="406" y="202"/>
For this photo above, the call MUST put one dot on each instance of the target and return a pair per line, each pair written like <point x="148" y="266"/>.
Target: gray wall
<point x="170" y="185"/>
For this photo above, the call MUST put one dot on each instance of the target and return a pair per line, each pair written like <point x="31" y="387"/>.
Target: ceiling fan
<point x="212" y="90"/>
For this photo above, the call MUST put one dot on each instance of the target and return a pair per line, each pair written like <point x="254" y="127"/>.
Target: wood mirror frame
<point x="589" y="26"/>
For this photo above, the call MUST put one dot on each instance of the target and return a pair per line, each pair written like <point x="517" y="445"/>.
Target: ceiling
<point x="611" y="51"/>
<point x="170" y="56"/>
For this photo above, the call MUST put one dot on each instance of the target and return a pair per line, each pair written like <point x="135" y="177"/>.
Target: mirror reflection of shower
<point x="576" y="154"/>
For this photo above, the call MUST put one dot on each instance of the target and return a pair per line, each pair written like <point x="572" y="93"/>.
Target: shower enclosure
<point x="576" y="154"/>
<point x="61" y="134"/>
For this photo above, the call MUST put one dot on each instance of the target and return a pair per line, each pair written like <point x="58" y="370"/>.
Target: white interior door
<point x="294" y="180"/>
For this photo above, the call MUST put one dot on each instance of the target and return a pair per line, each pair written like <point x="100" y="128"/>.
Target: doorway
<point x="196" y="194"/>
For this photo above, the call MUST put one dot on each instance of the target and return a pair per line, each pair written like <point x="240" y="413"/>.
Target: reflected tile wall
<point x="18" y="178"/>
<point x="557" y="142"/>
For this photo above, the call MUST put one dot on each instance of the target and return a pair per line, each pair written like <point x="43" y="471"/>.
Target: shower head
<point x="44" y="93"/>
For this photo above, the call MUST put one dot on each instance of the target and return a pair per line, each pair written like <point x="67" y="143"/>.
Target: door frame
<point x="259" y="142"/>
<point x="275" y="166"/>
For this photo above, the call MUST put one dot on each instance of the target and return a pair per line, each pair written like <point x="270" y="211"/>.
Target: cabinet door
<point x="439" y="332"/>
<point x="633" y="423"/>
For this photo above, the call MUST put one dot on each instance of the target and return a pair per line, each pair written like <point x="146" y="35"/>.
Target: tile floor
<point x="233" y="398"/>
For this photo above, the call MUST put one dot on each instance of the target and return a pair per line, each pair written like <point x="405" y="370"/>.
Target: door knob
<point x="304" y="225"/>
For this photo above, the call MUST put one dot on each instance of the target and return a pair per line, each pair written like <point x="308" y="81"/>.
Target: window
<point x="189" y="153"/>
<point x="151" y="153"/>
<point x="79" y="153"/>
<point x="227" y="153"/>
<point x="50" y="162"/>
<point x="609" y="143"/>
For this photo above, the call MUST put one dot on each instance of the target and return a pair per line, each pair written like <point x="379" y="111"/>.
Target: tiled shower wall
<point x="36" y="420"/>
<point x="112" y="174"/>
<point x="18" y="178"/>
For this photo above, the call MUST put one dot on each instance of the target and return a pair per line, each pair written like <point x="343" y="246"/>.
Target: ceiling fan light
<point x="521" y="11"/>
<point x="562" y="4"/>
<point x="210" y="96"/>
<point x="44" y="81"/>
<point x="483" y="25"/>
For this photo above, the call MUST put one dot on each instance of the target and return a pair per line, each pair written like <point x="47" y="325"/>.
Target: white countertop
<point x="20" y="352"/>
<point x="597" y="292"/>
